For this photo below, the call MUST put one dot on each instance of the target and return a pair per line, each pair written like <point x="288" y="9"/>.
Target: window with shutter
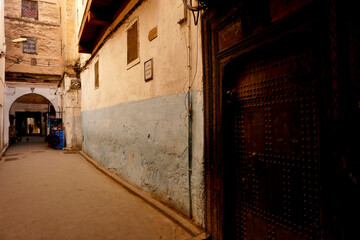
<point x="97" y="75"/>
<point x="132" y="43"/>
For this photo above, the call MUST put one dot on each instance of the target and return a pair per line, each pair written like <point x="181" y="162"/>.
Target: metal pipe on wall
<point x="189" y="110"/>
<point x="190" y="150"/>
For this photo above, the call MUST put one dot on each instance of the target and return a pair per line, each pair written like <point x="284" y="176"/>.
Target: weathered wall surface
<point x="2" y="143"/>
<point x="2" y="118"/>
<point x="49" y="11"/>
<point x="139" y="129"/>
<point x="2" y="73"/>
<point x="145" y="142"/>
<point x="71" y="93"/>
<point x="47" y="32"/>
<point x="69" y="35"/>
<point x="80" y="6"/>
<point x="168" y="51"/>
<point x="72" y="113"/>
<point x="72" y="122"/>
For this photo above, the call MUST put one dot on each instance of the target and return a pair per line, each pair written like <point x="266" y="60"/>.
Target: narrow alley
<point x="179" y="119"/>
<point x="54" y="194"/>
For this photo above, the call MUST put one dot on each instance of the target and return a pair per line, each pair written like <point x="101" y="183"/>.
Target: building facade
<point x="142" y="97"/>
<point x="70" y="85"/>
<point x="41" y="69"/>
<point x="34" y="64"/>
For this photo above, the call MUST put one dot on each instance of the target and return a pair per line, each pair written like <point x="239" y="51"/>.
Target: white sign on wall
<point x="148" y="70"/>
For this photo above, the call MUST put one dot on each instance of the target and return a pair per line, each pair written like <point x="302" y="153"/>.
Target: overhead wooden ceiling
<point x="32" y="77"/>
<point x="98" y="16"/>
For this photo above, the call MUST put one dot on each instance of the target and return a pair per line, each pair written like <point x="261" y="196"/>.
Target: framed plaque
<point x="148" y="70"/>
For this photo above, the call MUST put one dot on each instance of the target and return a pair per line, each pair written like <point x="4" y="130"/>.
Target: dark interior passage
<point x="28" y="123"/>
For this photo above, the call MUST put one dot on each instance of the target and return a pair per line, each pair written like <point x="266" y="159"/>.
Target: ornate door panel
<point x="271" y="165"/>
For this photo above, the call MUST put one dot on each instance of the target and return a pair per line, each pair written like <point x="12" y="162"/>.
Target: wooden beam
<point x="95" y="19"/>
<point x="90" y="17"/>
<point x="100" y="3"/>
<point x="84" y="49"/>
<point x="121" y="8"/>
<point x="19" y="76"/>
<point x="126" y="8"/>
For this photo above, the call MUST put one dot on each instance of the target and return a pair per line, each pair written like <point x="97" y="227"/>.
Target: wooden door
<point x="271" y="159"/>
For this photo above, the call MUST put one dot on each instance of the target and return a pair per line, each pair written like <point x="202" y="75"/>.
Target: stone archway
<point x="15" y="92"/>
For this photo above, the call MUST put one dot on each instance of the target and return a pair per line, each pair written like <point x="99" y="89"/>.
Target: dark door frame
<point x="215" y="61"/>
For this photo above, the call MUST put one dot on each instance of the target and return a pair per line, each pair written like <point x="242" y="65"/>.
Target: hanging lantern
<point x="201" y="5"/>
<point x="195" y="8"/>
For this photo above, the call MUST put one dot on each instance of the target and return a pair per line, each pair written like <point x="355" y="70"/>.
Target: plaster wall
<point x="69" y="36"/>
<point x="47" y="32"/>
<point x="48" y="11"/>
<point x="145" y="142"/>
<point x="14" y="91"/>
<point x="71" y="93"/>
<point x="2" y="74"/>
<point x="1" y="128"/>
<point x="80" y="9"/>
<point x="72" y="123"/>
<point x="2" y="33"/>
<point x="169" y="51"/>
<point x="72" y="115"/>
<point x="139" y="129"/>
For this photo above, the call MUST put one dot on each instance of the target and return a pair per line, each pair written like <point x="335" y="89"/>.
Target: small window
<point x="29" y="9"/>
<point x="29" y="46"/>
<point x="33" y="62"/>
<point x="97" y="75"/>
<point x="132" y="43"/>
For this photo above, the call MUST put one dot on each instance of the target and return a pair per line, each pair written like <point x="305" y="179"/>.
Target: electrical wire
<point x="187" y="48"/>
<point x="9" y="66"/>
<point x="187" y="57"/>
<point x="16" y="60"/>
<point x="196" y="67"/>
<point x="197" y="56"/>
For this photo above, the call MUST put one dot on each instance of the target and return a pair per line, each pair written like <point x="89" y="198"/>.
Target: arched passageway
<point x="27" y="111"/>
<point x="28" y="116"/>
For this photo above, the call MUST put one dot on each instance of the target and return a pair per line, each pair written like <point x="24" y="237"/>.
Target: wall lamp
<point x="19" y="40"/>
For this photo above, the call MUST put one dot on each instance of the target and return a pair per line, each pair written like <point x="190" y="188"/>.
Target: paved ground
<point x="47" y="194"/>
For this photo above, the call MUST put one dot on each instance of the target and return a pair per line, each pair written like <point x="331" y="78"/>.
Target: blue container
<point x="59" y="133"/>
